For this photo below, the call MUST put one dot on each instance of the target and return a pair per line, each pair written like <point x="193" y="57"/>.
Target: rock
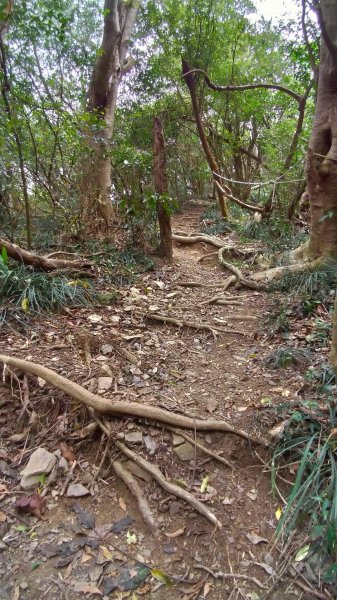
<point x="184" y="451"/>
<point x="150" y="444"/>
<point x="106" y="349"/>
<point x="138" y="471"/>
<point x="175" y="508"/>
<point x="40" y="462"/>
<point x="77" y="490"/>
<point x="63" y="464"/>
<point x="134" y="437"/>
<point x="177" y="439"/>
<point x="104" y="384"/>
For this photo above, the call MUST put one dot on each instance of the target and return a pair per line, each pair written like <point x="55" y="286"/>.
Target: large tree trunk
<point x="161" y="188"/>
<point x="96" y="208"/>
<point x="322" y="152"/>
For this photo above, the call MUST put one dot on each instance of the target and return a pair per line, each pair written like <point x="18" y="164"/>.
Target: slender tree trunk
<point x="210" y="157"/>
<point x="322" y="152"/>
<point x="161" y="188"/>
<point x="95" y="203"/>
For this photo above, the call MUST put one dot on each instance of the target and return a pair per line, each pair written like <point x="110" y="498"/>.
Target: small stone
<point x="184" y="452"/>
<point x="106" y="349"/>
<point x="138" y="471"/>
<point x="175" y="508"/>
<point x="208" y="438"/>
<point x="134" y="437"/>
<point x="40" y="462"/>
<point x="77" y="490"/>
<point x="63" y="464"/>
<point x="104" y="383"/>
<point x="177" y="439"/>
<point x="150" y="444"/>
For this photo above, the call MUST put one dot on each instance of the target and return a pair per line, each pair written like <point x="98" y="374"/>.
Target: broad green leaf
<point x="162" y="577"/>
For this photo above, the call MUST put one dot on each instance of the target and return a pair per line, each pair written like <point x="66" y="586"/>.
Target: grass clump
<point x="31" y="291"/>
<point x="121" y="267"/>
<point x="284" y="356"/>
<point x="309" y="443"/>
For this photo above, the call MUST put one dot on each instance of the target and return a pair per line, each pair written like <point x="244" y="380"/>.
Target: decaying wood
<point x="169" y="487"/>
<point x="42" y="262"/>
<point x="121" y="407"/>
<point x="202" y="447"/>
<point x="136" y="491"/>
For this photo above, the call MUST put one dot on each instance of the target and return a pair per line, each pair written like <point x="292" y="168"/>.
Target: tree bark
<point x="161" y="188"/>
<point x="322" y="151"/>
<point x="95" y="203"/>
<point x="41" y="262"/>
<point x="211" y="159"/>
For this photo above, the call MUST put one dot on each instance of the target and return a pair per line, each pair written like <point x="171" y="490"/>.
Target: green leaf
<point x="4" y="255"/>
<point x="302" y="553"/>
<point x="161" y="577"/>
<point x="131" y="538"/>
<point x="204" y="484"/>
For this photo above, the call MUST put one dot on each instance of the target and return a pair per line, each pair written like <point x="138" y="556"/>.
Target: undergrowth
<point x="121" y="267"/>
<point x="31" y="291"/>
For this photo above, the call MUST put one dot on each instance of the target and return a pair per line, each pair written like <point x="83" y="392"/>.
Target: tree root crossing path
<point x="155" y="406"/>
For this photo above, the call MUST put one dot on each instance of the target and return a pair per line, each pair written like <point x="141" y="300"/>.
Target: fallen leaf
<point x="256" y="539"/>
<point x="95" y="318"/>
<point x="121" y="503"/>
<point x="278" y="513"/>
<point x="67" y="452"/>
<point x="131" y="538"/>
<point x="302" y="553"/>
<point x="33" y="505"/>
<point x="204" y="484"/>
<point x="3" y="517"/>
<point x="252" y="494"/>
<point x="106" y="553"/>
<point x="207" y="589"/>
<point x="212" y="404"/>
<point x="161" y="577"/>
<point x="41" y="382"/>
<point x="87" y="589"/>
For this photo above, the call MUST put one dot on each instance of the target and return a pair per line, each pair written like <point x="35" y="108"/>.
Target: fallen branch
<point x="221" y="575"/>
<point x="202" y="447"/>
<point x="169" y="487"/>
<point x="178" y="323"/>
<point x="208" y="255"/>
<point x="42" y="262"/>
<point x="122" y="407"/>
<point x="136" y="491"/>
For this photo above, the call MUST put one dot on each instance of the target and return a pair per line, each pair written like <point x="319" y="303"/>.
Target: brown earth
<point x="185" y="371"/>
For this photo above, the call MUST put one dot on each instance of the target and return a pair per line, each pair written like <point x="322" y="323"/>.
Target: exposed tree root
<point x="42" y="262"/>
<point x="240" y="277"/>
<point x="122" y="407"/>
<point x="136" y="491"/>
<point x="221" y="299"/>
<point x="208" y="255"/>
<point x="169" y="487"/>
<point x="200" y="237"/>
<point x="199" y="326"/>
<point x="202" y="447"/>
<point x="277" y="273"/>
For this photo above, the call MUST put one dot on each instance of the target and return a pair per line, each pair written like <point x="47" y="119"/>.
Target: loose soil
<point x="182" y="370"/>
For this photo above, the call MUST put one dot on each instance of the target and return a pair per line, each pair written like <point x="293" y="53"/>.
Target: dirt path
<point x="185" y="371"/>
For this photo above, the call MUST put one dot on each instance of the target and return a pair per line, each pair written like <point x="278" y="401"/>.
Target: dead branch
<point x="42" y="262"/>
<point x="136" y="491"/>
<point x="169" y="487"/>
<point x="208" y="255"/>
<point x="202" y="447"/>
<point x="121" y="407"/>
<point x="178" y="323"/>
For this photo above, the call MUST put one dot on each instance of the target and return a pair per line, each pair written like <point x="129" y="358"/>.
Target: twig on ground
<point x="221" y="575"/>
<point x="178" y="323"/>
<point x="136" y="491"/>
<point x="169" y="487"/>
<point x="68" y="478"/>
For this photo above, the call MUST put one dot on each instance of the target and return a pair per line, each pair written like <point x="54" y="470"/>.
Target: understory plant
<point x="309" y="446"/>
<point x="32" y="291"/>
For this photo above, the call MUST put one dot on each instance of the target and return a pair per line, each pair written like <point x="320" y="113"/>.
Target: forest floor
<point x="103" y="548"/>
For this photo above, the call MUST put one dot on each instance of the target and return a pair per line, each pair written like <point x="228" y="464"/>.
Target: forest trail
<point x="185" y="371"/>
